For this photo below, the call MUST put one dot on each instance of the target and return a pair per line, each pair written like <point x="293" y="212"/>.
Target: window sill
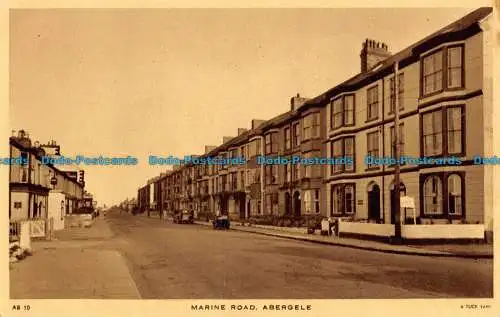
<point x="371" y="120"/>
<point x="391" y="113"/>
<point x="334" y="129"/>
<point x="394" y="165"/>
<point x="432" y="94"/>
<point x="341" y="172"/>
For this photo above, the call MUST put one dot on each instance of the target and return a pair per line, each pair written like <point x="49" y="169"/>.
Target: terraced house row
<point x="445" y="109"/>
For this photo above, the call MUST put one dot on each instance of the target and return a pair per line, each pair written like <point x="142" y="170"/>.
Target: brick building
<point x="445" y="105"/>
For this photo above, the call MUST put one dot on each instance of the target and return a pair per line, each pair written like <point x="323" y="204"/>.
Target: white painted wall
<point x="374" y="229"/>
<point x="18" y="213"/>
<point x="24" y="235"/>
<point x="57" y="204"/>
<point x="457" y="231"/>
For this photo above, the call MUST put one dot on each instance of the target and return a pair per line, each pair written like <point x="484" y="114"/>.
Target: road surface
<point x="174" y="261"/>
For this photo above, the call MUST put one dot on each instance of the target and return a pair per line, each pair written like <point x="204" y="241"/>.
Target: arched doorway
<point x="288" y="204"/>
<point x="402" y="192"/>
<point x="374" y="202"/>
<point x="296" y="204"/>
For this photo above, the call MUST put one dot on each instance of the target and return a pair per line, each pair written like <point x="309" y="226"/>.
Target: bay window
<point x="342" y="199"/>
<point x="342" y="148"/>
<point x="287" y="173"/>
<point x="443" y="132"/>
<point x="307" y="202"/>
<point x="342" y="112"/>
<point x="311" y="126"/>
<point x="271" y="143"/>
<point x="442" y="194"/>
<point x="443" y="70"/>
<point x="454" y="194"/>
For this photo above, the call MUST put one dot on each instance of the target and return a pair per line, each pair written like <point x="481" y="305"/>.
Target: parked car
<point x="186" y="216"/>
<point x="221" y="222"/>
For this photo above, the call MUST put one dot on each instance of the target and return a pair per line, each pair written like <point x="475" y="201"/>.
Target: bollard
<point x="24" y="235"/>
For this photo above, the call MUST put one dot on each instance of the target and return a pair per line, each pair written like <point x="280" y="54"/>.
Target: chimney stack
<point x="23" y="138"/>
<point x="297" y="101"/>
<point x="241" y="131"/>
<point x="256" y="123"/>
<point x="209" y="148"/>
<point x="226" y="139"/>
<point x="372" y="53"/>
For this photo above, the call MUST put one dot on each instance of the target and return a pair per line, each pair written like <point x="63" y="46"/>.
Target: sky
<point x="140" y="82"/>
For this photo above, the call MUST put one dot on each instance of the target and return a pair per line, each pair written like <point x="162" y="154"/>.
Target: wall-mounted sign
<point x="18" y="204"/>
<point x="360" y="202"/>
<point x="407" y="202"/>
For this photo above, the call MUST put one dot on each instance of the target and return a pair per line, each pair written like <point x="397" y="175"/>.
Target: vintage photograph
<point x="239" y="153"/>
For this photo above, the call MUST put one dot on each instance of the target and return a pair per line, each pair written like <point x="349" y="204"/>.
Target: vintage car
<point x="221" y="222"/>
<point x="186" y="216"/>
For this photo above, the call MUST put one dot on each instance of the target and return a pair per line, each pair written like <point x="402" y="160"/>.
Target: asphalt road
<point x="174" y="261"/>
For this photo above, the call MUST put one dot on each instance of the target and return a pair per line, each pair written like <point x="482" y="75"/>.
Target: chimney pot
<point x="372" y="54"/>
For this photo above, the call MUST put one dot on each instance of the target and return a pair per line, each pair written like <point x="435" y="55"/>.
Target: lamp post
<point x="397" y="192"/>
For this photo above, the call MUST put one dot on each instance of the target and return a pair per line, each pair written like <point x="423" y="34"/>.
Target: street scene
<point x="132" y="257"/>
<point x="191" y="155"/>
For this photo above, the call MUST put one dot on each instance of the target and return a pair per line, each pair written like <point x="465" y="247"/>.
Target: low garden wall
<point x="366" y="229"/>
<point x="447" y="231"/>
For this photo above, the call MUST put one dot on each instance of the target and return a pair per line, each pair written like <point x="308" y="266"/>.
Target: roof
<point x="463" y="24"/>
<point x="460" y="25"/>
<point x="35" y="152"/>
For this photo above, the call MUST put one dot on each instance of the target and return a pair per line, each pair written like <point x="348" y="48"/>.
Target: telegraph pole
<point x="397" y="191"/>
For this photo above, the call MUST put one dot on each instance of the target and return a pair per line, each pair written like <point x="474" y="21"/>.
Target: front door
<point x="288" y="205"/>
<point x="242" y="206"/>
<point x="224" y="206"/>
<point x="374" y="203"/>
<point x="296" y="204"/>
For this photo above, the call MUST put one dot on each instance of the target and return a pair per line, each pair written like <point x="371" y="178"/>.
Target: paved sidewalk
<point x="464" y="251"/>
<point x="98" y="230"/>
<point x="72" y="273"/>
<point x="72" y="268"/>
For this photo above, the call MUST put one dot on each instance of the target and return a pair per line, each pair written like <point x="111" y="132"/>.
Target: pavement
<point x="182" y="261"/>
<point x="77" y="263"/>
<point x="476" y="251"/>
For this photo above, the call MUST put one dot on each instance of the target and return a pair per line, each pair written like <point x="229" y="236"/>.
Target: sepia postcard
<point x="198" y="158"/>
